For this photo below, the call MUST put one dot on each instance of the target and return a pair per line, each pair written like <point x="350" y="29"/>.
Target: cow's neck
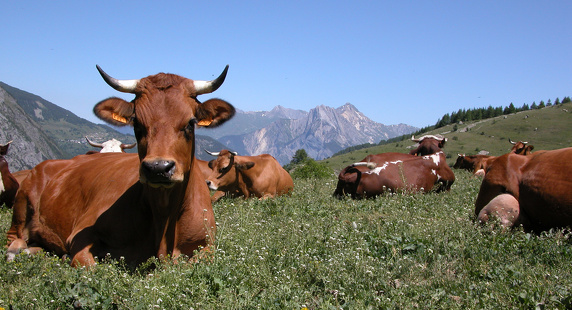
<point x="166" y="207"/>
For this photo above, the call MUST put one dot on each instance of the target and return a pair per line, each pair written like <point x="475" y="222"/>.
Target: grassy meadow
<point x="311" y="251"/>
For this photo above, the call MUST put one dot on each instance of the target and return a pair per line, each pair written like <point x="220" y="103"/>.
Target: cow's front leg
<point x="83" y="258"/>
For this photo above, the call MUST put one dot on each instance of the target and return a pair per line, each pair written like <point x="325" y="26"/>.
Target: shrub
<point x="310" y="168"/>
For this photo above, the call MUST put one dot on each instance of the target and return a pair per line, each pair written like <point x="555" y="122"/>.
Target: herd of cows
<point x="156" y="203"/>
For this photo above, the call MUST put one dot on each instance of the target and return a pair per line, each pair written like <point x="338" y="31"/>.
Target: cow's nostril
<point x="162" y="168"/>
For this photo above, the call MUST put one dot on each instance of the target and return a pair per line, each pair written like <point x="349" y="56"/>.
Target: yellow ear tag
<point x="205" y="122"/>
<point x="119" y="118"/>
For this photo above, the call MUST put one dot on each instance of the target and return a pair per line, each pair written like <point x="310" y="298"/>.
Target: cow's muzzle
<point x="158" y="173"/>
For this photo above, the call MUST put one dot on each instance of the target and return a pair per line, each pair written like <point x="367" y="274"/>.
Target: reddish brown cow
<point x="204" y="167"/>
<point x="135" y="206"/>
<point x="8" y="183"/>
<point x="472" y="163"/>
<point x="478" y="163"/>
<point x="540" y="187"/>
<point x="111" y="146"/>
<point x="521" y="147"/>
<point x="428" y="144"/>
<point x="413" y="174"/>
<point x="21" y="175"/>
<point x="259" y="176"/>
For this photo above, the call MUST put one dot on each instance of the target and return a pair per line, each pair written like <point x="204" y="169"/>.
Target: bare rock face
<point x="30" y="145"/>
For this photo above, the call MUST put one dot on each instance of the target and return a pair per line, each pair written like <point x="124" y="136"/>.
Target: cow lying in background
<point x="8" y="183"/>
<point x="428" y="144"/>
<point x="478" y="163"/>
<point x="111" y="146"/>
<point x="472" y="163"/>
<point x="521" y="147"/>
<point x="259" y="176"/>
<point x="403" y="172"/>
<point x="534" y="191"/>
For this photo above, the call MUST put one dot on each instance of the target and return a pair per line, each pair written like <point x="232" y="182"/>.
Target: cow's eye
<point x="188" y="130"/>
<point x="192" y="123"/>
<point x="139" y="130"/>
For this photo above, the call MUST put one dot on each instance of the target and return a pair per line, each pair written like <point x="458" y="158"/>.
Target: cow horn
<point x="93" y="143"/>
<point x="512" y="142"/>
<point x="126" y="86"/>
<point x="234" y="153"/>
<point x="205" y="87"/>
<point x="127" y="146"/>
<point x="413" y="139"/>
<point x="212" y="153"/>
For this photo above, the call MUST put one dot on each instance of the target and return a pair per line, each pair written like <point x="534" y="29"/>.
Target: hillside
<point x="547" y="128"/>
<point x="30" y="145"/>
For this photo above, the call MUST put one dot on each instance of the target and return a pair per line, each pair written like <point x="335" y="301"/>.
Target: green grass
<point x="312" y="251"/>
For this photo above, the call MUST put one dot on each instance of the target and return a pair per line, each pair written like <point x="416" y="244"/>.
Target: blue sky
<point x="396" y="61"/>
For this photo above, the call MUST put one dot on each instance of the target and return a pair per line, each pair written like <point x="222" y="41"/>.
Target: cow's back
<point x="27" y="203"/>
<point x="57" y="196"/>
<point x="266" y="177"/>
<point x="88" y="187"/>
<point x="546" y="188"/>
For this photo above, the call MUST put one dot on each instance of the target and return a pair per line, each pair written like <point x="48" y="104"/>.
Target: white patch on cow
<point x="435" y="157"/>
<point x="434" y="172"/>
<point x="2" y="188"/>
<point x="385" y="165"/>
<point x="111" y="146"/>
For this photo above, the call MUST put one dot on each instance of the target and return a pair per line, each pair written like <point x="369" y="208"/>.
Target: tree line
<point x="464" y="115"/>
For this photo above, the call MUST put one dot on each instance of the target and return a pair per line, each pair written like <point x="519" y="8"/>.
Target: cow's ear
<point x="214" y="112"/>
<point x="244" y="166"/>
<point x="115" y="111"/>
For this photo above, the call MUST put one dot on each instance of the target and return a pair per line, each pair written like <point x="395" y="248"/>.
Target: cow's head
<point x="224" y="170"/>
<point x="521" y="147"/>
<point x="164" y="114"/>
<point x="428" y="144"/>
<point x="461" y="162"/>
<point x="4" y="148"/>
<point x="111" y="146"/>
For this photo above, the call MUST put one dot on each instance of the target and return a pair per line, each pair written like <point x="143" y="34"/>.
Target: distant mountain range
<point x="42" y="130"/>
<point x="322" y="131"/>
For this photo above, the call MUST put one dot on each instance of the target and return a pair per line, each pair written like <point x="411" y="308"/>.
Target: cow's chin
<point x="164" y="184"/>
<point x="160" y="185"/>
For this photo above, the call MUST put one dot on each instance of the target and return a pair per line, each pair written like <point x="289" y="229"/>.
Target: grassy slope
<point x="311" y="250"/>
<point x="546" y="129"/>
